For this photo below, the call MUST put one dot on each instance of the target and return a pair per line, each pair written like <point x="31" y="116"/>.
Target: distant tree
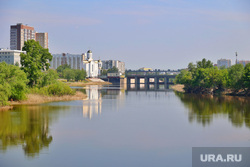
<point x="80" y="74"/>
<point x="104" y="72"/>
<point x="204" y="64"/>
<point x="34" y="61"/>
<point x="49" y="77"/>
<point x="246" y="77"/>
<point x="113" y="69"/>
<point x="235" y="73"/>
<point x="191" y="67"/>
<point x="69" y="74"/>
<point x="61" y="68"/>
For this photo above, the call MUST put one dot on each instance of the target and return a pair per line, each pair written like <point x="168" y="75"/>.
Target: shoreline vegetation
<point x="204" y="78"/>
<point x="32" y="82"/>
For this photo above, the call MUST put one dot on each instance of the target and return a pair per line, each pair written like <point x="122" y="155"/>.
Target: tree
<point x="68" y="74"/>
<point x="61" y="68"/>
<point x="204" y="64"/>
<point x="49" y="77"/>
<point x="104" y="72"/>
<point x="113" y="70"/>
<point x="34" y="61"/>
<point x="235" y="73"/>
<point x="13" y="82"/>
<point x="246" y="77"/>
<point x="80" y="75"/>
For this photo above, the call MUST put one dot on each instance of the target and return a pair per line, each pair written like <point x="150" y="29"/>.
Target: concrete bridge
<point x="151" y="77"/>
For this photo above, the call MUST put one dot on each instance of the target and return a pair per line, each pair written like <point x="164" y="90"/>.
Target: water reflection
<point x="95" y="95"/>
<point x="27" y="126"/>
<point x="147" y="87"/>
<point x="203" y="108"/>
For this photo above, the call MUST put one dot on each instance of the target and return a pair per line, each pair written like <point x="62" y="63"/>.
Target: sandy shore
<point x="81" y="84"/>
<point x="178" y="88"/>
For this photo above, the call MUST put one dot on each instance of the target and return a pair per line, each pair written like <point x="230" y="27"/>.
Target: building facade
<point x="76" y="61"/>
<point x="243" y="62"/>
<point x="19" y="34"/>
<point x="43" y="39"/>
<point x="224" y="62"/>
<point x="11" y="56"/>
<point x="108" y="64"/>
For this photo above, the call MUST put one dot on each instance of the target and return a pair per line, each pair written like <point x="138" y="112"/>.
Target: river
<point x="122" y="128"/>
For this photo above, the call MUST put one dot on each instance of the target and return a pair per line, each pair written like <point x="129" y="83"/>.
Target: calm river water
<point x="121" y="128"/>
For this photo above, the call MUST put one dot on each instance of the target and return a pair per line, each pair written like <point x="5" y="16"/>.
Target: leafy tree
<point x="34" y="61"/>
<point x="113" y="69"/>
<point x="13" y="82"/>
<point x="61" y="68"/>
<point x="80" y="75"/>
<point x="204" y="64"/>
<point x="235" y="77"/>
<point x="104" y="72"/>
<point x="49" y="77"/>
<point x="246" y="77"/>
<point x="69" y="74"/>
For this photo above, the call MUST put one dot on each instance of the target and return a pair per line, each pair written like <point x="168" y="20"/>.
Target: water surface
<point x="117" y="127"/>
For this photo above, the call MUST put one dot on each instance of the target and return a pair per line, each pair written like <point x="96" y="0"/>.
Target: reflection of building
<point x="243" y="62"/>
<point x="224" y="62"/>
<point x="108" y="64"/>
<point x="94" y="104"/>
<point x="11" y="56"/>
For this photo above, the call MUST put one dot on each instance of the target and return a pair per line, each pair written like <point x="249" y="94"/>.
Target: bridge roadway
<point x="150" y="77"/>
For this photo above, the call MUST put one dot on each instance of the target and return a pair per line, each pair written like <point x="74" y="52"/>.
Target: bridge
<point x="151" y="77"/>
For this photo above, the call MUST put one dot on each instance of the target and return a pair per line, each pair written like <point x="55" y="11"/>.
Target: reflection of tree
<point x="203" y="108"/>
<point x="28" y="126"/>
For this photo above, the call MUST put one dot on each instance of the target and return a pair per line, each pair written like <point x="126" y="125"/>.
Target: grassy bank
<point x="178" y="87"/>
<point x="88" y="82"/>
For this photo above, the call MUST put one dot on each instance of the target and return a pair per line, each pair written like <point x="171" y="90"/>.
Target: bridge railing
<point x="150" y="73"/>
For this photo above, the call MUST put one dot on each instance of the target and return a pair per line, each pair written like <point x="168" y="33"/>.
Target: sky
<point x="158" y="34"/>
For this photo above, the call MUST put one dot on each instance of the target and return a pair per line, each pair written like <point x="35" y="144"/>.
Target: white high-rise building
<point x="11" y="56"/>
<point x="108" y="64"/>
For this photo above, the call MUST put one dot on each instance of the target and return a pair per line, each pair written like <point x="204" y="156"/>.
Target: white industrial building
<point x="11" y="56"/>
<point x="77" y="61"/>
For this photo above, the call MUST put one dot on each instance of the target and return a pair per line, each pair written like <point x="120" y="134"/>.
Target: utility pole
<point x="236" y="57"/>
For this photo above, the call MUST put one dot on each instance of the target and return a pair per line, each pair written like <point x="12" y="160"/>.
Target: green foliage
<point x="68" y="74"/>
<point x="104" y="72"/>
<point x="48" y="77"/>
<point x="80" y="75"/>
<point x="246" y="77"/>
<point x="61" y="68"/>
<point x="55" y="89"/>
<point x="113" y="70"/>
<point x="12" y="83"/>
<point x="204" y="78"/>
<point x="235" y="73"/>
<point x="34" y="61"/>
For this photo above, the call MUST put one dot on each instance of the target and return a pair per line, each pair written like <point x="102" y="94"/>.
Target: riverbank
<point x="92" y="81"/>
<point x="39" y="99"/>
<point x="178" y="88"/>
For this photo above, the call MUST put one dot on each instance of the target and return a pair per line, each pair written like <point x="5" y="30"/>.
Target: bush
<point x="49" y="77"/>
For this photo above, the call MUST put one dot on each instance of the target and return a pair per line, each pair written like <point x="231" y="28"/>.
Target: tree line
<point x="65" y="71"/>
<point x="203" y="77"/>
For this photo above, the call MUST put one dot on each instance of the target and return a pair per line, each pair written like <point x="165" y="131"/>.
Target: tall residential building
<point x="42" y="38"/>
<point x="20" y="33"/>
<point x="243" y="62"/>
<point x="108" y="64"/>
<point x="224" y="62"/>
<point x="11" y="56"/>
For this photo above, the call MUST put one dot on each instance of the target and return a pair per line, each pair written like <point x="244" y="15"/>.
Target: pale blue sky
<point x="164" y="34"/>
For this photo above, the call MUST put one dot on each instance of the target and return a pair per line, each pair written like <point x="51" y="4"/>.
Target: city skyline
<point x="162" y="34"/>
